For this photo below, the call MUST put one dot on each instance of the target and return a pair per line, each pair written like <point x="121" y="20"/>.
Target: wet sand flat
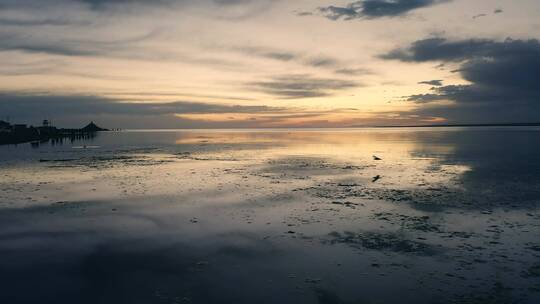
<point x="445" y="215"/>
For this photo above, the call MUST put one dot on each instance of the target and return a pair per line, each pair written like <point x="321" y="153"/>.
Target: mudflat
<point x="424" y="215"/>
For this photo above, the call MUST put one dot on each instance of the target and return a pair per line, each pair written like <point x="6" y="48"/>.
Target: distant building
<point x="92" y="127"/>
<point x="4" y="126"/>
<point x="46" y="128"/>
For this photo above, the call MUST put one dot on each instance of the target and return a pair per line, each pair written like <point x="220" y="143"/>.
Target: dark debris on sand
<point x="382" y="241"/>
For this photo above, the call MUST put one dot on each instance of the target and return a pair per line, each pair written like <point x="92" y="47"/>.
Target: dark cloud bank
<point x="503" y="76"/>
<point x="73" y="110"/>
<point x="375" y="8"/>
<point x="105" y="3"/>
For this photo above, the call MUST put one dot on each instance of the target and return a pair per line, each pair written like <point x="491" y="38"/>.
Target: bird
<point x="376" y="178"/>
<point x="375" y="157"/>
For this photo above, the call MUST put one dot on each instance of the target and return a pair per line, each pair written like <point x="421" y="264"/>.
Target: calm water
<point x="447" y="215"/>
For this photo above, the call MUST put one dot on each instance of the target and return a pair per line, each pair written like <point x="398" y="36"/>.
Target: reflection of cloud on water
<point x="500" y="166"/>
<point x="106" y="259"/>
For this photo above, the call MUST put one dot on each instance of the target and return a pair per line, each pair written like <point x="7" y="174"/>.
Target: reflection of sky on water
<point x="283" y="216"/>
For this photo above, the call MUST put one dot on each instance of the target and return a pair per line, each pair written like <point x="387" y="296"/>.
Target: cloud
<point x="508" y="63"/>
<point x="495" y="12"/>
<point x="77" y="108"/>
<point x="41" y="22"/>
<point x="134" y="47"/>
<point x="375" y="8"/>
<point x="303" y="13"/>
<point x="354" y="71"/>
<point x="268" y="53"/>
<point x="222" y="9"/>
<point x="99" y="4"/>
<point x="436" y="83"/>
<point x="22" y="104"/>
<point x="337" y="12"/>
<point x="301" y="86"/>
<point x="322" y="61"/>
<point x="440" y="49"/>
<point x="503" y="76"/>
<point x="70" y="47"/>
<point x="479" y="16"/>
<point x="301" y="58"/>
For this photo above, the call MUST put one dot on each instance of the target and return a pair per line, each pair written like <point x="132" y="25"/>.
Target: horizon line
<point x="536" y="124"/>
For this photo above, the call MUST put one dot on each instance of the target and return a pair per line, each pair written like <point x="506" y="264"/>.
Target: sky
<point x="269" y="63"/>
